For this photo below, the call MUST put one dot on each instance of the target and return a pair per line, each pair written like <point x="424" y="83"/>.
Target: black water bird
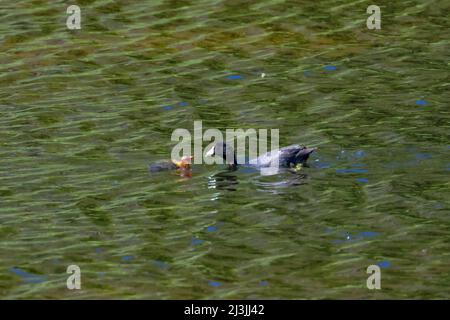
<point x="287" y="157"/>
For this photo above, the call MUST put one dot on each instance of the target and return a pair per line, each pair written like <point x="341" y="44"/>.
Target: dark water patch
<point x="211" y="229"/>
<point x="384" y="264"/>
<point x="161" y="264"/>
<point x="421" y="102"/>
<point x="197" y="241"/>
<point x="214" y="284"/>
<point x="127" y="258"/>
<point x="330" y="68"/>
<point x="348" y="237"/>
<point x="264" y="283"/>
<point x="235" y="77"/>
<point x="26" y="276"/>
<point x="345" y="171"/>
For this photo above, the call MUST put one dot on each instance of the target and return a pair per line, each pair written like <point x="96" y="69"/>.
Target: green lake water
<point x="84" y="112"/>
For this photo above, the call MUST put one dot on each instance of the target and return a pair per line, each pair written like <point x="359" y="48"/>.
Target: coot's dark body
<point x="287" y="157"/>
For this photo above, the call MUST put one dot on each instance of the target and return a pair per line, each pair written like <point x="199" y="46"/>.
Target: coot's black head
<point x="221" y="149"/>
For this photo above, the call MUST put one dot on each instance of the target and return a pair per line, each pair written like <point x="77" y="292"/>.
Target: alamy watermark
<point x="374" y="280"/>
<point x="73" y="21"/>
<point x="74" y="280"/>
<point x="374" y="20"/>
<point x="257" y="146"/>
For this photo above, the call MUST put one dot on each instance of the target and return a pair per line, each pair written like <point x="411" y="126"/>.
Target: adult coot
<point x="287" y="157"/>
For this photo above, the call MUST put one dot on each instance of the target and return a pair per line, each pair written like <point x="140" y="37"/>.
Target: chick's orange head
<point x="184" y="163"/>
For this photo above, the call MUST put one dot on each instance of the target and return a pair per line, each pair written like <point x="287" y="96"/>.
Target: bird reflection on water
<point x="224" y="180"/>
<point x="229" y="180"/>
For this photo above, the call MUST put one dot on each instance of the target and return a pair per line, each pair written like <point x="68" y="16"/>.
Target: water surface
<point x="83" y="113"/>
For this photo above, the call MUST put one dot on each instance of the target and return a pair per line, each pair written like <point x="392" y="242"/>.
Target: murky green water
<point x="83" y="113"/>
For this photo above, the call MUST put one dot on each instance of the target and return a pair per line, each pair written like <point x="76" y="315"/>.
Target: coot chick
<point x="288" y="157"/>
<point x="183" y="164"/>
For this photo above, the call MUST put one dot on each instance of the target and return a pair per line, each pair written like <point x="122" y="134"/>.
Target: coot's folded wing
<point x="287" y="156"/>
